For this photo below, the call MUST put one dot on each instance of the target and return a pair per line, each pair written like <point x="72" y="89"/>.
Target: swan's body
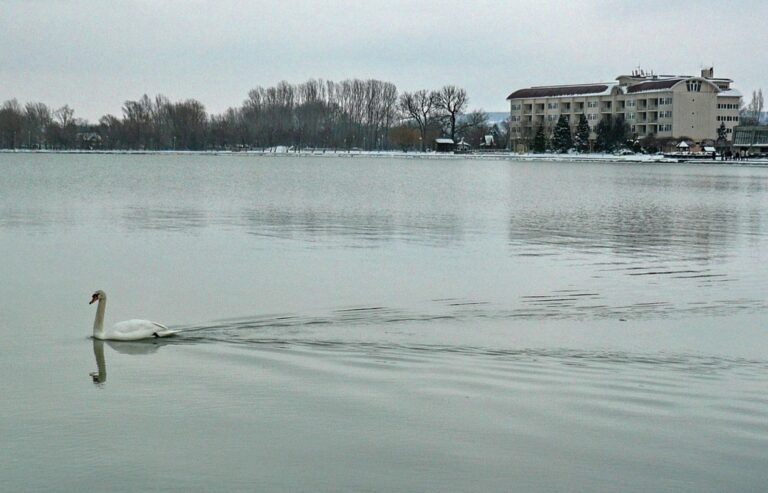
<point x="128" y="330"/>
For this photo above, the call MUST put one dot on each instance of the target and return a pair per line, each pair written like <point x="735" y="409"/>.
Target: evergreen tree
<point x="540" y="140"/>
<point x="561" y="140"/>
<point x="650" y="144"/>
<point x="581" y="139"/>
<point x="603" y="129"/>
<point x="721" y="132"/>
<point x="619" y="133"/>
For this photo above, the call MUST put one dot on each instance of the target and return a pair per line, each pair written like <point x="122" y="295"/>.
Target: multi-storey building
<point x="665" y="106"/>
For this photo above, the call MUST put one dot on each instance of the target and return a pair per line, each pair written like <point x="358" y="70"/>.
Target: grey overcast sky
<point x="95" y="54"/>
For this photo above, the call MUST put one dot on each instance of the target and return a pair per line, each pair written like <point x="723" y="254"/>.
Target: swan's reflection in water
<point x="99" y="376"/>
<point x="123" y="347"/>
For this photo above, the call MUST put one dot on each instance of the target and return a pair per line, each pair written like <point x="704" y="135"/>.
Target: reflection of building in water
<point x="664" y="107"/>
<point x="645" y="231"/>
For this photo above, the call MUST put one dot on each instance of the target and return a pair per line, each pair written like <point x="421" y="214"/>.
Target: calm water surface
<point x="383" y="325"/>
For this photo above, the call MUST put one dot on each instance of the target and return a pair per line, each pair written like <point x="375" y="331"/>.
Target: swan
<point x="128" y="330"/>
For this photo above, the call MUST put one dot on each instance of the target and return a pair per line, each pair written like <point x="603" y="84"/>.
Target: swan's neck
<point x="98" y="322"/>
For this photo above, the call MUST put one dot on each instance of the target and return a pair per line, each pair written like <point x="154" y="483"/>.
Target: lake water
<point x="383" y="324"/>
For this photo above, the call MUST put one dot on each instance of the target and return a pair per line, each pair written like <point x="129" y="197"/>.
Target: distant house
<point x="444" y="145"/>
<point x="462" y="146"/>
<point x="488" y="142"/>
<point x="88" y="140"/>
<point x="751" y="139"/>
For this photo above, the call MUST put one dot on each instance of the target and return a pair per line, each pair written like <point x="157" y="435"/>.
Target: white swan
<point x="129" y="330"/>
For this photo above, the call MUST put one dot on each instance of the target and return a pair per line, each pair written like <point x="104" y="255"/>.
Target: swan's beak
<point x="93" y="300"/>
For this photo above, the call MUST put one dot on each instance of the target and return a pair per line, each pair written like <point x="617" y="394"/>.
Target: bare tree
<point x="418" y="106"/>
<point x="37" y="118"/>
<point x="64" y="115"/>
<point x="188" y="120"/>
<point x="752" y="113"/>
<point x="757" y="106"/>
<point x="452" y="100"/>
<point x="63" y="129"/>
<point x="474" y="127"/>
<point x="11" y="124"/>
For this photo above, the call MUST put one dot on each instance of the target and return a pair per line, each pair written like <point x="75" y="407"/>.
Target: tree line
<point x="611" y="134"/>
<point x="352" y="114"/>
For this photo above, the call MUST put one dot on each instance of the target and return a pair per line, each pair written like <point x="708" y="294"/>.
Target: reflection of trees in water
<point x="650" y="230"/>
<point x="164" y="218"/>
<point x="312" y="223"/>
<point x="362" y="226"/>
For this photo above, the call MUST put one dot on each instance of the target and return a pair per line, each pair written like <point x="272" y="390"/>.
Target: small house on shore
<point x="444" y="145"/>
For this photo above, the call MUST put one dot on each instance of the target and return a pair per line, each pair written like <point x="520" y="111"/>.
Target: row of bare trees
<point x="364" y="114"/>
<point x="35" y="125"/>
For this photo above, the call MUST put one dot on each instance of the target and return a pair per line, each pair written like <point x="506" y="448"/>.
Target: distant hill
<point x="496" y="117"/>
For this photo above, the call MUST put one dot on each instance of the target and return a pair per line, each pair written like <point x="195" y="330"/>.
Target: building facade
<point x="751" y="140"/>
<point x="667" y="107"/>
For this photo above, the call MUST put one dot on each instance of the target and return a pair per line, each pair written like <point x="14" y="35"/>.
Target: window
<point x="665" y="127"/>
<point x="630" y="103"/>
<point x="551" y="118"/>
<point x="630" y="116"/>
<point x="665" y="114"/>
<point x="693" y="85"/>
<point x="665" y="101"/>
<point x="591" y="104"/>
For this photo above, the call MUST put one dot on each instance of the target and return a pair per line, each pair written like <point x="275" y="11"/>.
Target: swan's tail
<point x="164" y="331"/>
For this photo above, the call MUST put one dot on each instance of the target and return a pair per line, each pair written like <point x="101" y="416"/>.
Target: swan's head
<point x="98" y="295"/>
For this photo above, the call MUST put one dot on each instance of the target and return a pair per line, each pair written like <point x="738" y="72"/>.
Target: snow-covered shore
<point x="484" y="156"/>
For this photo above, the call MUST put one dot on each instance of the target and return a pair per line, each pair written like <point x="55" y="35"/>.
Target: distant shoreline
<point x="485" y="156"/>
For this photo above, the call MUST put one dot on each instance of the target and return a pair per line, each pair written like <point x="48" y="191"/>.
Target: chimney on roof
<point x="708" y="73"/>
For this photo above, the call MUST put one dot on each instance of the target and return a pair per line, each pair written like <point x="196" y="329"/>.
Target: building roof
<point x="653" y="85"/>
<point x="729" y="93"/>
<point x="658" y="83"/>
<point x="572" y="90"/>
